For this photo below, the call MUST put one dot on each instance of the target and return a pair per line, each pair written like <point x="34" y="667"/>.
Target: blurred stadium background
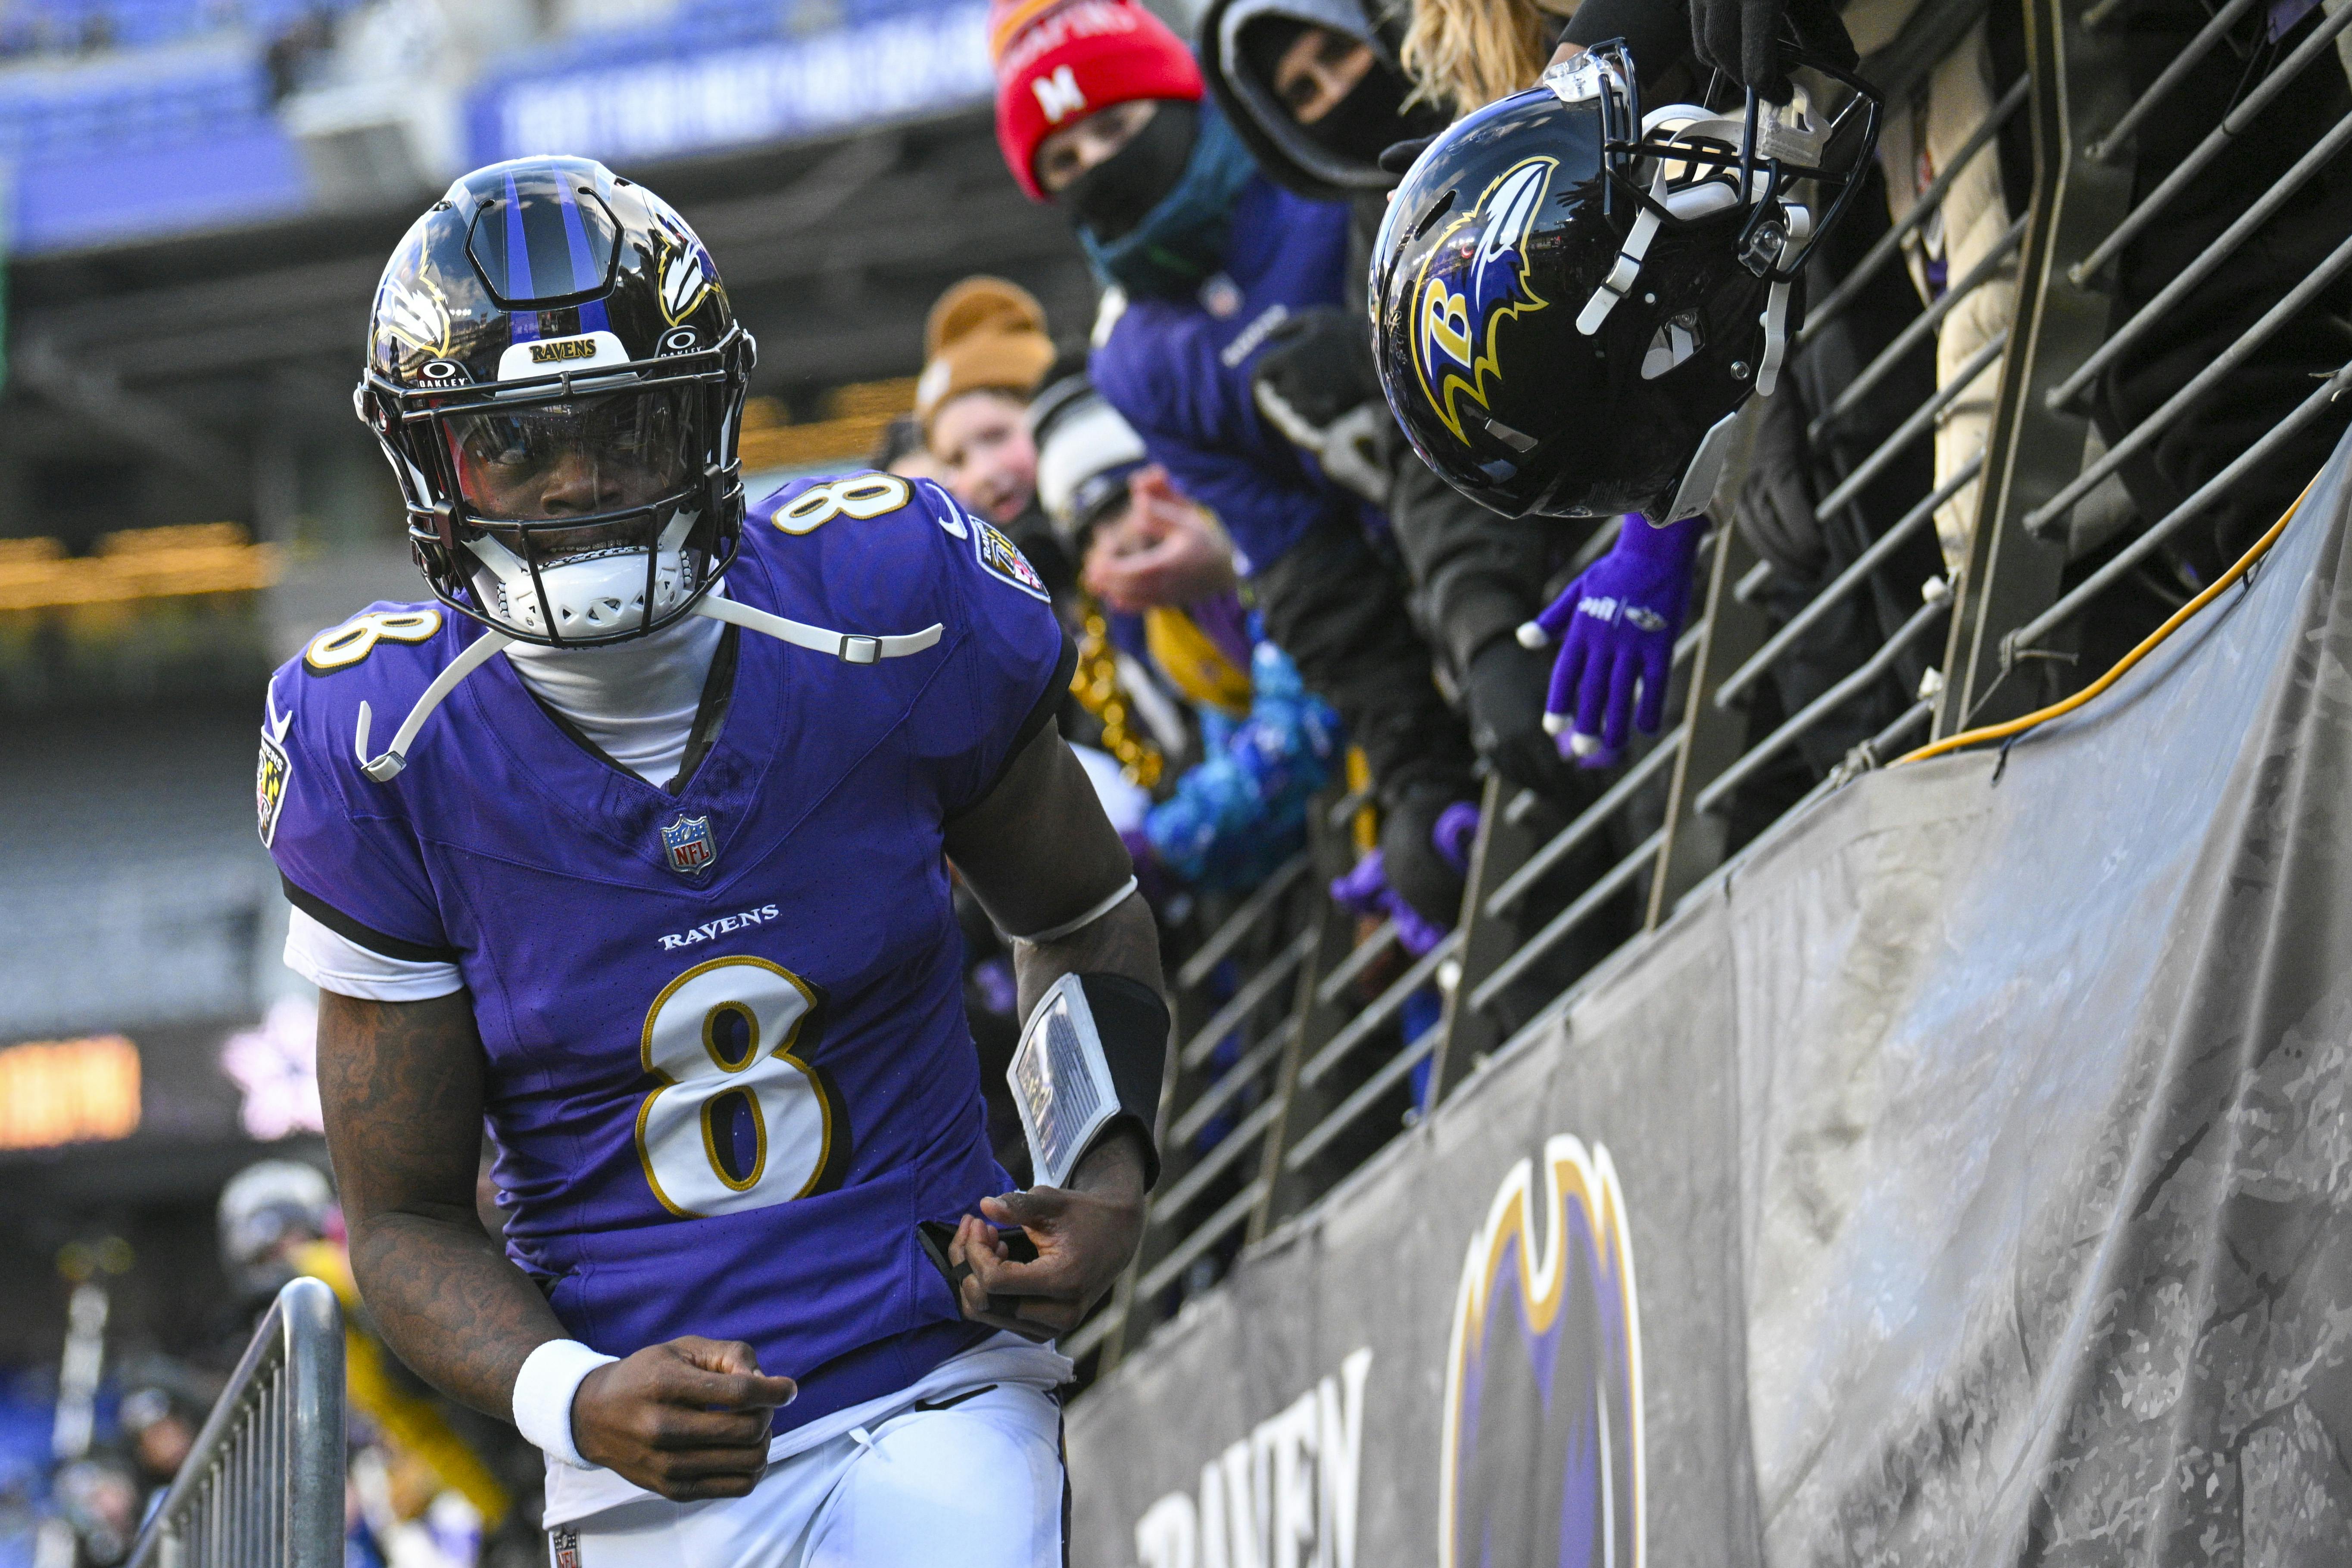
<point x="195" y="199"/>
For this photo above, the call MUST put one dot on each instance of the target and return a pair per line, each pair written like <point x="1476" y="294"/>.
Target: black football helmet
<point x="1573" y="298"/>
<point x="558" y="382"/>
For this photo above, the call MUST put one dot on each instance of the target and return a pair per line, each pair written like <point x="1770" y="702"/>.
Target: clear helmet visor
<point x="585" y="458"/>
<point x="580" y="513"/>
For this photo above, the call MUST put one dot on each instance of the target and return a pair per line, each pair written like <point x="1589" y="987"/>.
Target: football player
<point x="661" y="896"/>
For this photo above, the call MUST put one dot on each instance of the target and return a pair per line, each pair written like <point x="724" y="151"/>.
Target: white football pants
<point x="976" y="1482"/>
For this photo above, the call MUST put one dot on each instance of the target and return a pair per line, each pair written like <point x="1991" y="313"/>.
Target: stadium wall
<point x="1961" y="1176"/>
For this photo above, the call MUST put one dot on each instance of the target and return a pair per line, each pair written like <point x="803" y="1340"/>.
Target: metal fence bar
<point x="1916" y="331"/>
<point x="1846" y="583"/>
<point x="1381" y="1011"/>
<point x="2321" y="38"/>
<point x="1593" y="818"/>
<point x="2067" y="608"/>
<point x="2064" y="394"/>
<point x="1920" y="420"/>
<point x="1242" y="921"/>
<point x="2158" y="422"/>
<point x="1392" y="1072"/>
<point x="1871" y="669"/>
<point x="1347" y="805"/>
<point x="1611" y="882"/>
<point x="2081" y="85"/>
<point x="1364" y="954"/>
<point x="1215" y="1228"/>
<point x="1503" y="844"/>
<point x="1930" y="201"/>
<point x="232" y="1502"/>
<point x="1713" y="737"/>
<point x="2161" y="88"/>
<point x="1173" y="1202"/>
<point x="1092" y="1331"/>
<point x="1253" y="994"/>
<point x="1238" y="1078"/>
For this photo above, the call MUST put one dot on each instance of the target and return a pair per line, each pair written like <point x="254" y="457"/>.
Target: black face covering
<point x="1112" y="197"/>
<point x="1373" y="117"/>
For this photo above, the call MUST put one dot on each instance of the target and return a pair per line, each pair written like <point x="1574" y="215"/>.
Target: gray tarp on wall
<point x="1983" y="1148"/>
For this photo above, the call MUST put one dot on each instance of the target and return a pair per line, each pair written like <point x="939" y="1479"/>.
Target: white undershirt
<point x="636" y="700"/>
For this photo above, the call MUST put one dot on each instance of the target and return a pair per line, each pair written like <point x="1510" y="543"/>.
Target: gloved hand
<point x="1741" y="38"/>
<point x="1365" y="889"/>
<point x="1505" y="685"/>
<point x="1425" y="852"/>
<point x="1616" y="626"/>
<point x="1316" y="383"/>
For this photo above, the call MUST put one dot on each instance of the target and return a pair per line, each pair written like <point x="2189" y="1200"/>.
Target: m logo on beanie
<point x="1059" y="95"/>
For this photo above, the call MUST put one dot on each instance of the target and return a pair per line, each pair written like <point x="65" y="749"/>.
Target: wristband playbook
<point x="1090" y="1059"/>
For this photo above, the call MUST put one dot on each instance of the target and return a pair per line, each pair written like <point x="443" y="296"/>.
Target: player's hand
<point x="687" y="1419"/>
<point x="1083" y="1234"/>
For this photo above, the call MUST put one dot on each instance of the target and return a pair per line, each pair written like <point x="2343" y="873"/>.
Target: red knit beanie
<point x="1059" y="61"/>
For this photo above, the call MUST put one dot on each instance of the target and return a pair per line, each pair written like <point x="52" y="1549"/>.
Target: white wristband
<point x="543" y="1391"/>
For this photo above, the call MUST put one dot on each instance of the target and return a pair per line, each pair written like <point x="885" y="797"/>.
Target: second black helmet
<point x="1573" y="298"/>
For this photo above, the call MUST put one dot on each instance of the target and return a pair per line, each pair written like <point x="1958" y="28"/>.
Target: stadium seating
<point x="142" y="141"/>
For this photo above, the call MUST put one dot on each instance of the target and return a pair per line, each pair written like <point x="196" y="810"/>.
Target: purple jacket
<point x="1178" y="370"/>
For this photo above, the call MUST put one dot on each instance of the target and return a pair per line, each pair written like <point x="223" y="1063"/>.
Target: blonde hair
<point x="1464" y="54"/>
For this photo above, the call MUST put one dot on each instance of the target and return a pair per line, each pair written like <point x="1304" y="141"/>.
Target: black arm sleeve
<point x="1339" y="612"/>
<point x="1657" y="31"/>
<point x="1480" y="574"/>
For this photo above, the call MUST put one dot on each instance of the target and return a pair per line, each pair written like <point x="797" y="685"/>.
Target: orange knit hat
<point x="984" y="334"/>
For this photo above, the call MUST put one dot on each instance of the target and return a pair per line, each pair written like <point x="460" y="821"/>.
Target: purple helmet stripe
<point x="518" y="281"/>
<point x="584" y="272"/>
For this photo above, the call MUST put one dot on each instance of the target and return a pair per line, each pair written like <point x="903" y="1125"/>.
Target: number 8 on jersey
<point x="721" y="1038"/>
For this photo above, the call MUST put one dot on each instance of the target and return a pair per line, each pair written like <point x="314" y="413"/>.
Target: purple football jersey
<point x="728" y="1070"/>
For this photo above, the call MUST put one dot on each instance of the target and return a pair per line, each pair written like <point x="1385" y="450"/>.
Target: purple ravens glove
<point x="1616" y="626"/>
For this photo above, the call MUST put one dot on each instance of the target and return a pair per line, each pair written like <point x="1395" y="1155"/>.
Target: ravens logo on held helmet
<point x="1572" y="299"/>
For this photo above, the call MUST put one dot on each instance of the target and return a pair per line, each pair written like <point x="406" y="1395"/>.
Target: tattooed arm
<point x="401" y="1083"/>
<point x="1038" y="852"/>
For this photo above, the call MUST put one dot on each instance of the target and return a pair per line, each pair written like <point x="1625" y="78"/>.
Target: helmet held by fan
<point x="1573" y="298"/>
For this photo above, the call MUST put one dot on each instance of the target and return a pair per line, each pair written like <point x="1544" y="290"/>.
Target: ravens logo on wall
<point x="1542" y="1449"/>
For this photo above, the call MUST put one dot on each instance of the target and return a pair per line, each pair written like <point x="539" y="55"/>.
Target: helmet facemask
<point x="595" y="502"/>
<point x="1683" y="165"/>
<point x="578" y="509"/>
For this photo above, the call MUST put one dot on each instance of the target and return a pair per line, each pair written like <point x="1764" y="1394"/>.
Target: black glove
<point x="1397" y="158"/>
<point x="1505" y="686"/>
<point x="1742" y="38"/>
<point x="1417" y="872"/>
<point x="1319" y="362"/>
<point x="1316" y="382"/>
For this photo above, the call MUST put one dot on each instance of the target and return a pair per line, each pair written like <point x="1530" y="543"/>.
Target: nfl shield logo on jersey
<point x="687" y="843"/>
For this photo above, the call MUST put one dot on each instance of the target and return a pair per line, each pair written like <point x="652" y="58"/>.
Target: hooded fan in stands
<point x="1100" y="109"/>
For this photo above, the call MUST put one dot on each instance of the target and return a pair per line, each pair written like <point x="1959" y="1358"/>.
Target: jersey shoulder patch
<point x="1001" y="559"/>
<point x="273" y="772"/>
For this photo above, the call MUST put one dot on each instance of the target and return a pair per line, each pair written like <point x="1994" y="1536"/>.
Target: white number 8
<point x="720" y="1037"/>
<point x="861" y="496"/>
<point x="339" y="647"/>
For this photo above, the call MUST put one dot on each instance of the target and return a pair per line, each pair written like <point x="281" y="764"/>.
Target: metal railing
<point x="263" y="1486"/>
<point x="1292" y="1066"/>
